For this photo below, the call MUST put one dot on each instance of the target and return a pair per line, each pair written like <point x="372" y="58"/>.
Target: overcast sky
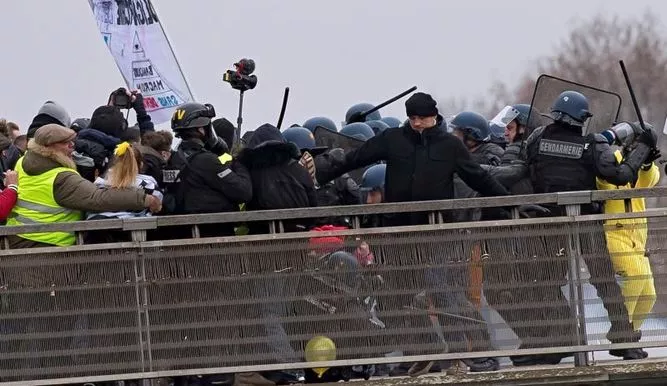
<point x="331" y="54"/>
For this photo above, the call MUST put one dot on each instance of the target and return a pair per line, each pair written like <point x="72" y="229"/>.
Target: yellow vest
<point x="37" y="205"/>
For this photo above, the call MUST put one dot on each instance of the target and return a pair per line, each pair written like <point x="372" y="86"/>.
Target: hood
<point x="39" y="121"/>
<point x="267" y="147"/>
<point x="103" y="139"/>
<point x="39" y="159"/>
<point x="147" y="151"/>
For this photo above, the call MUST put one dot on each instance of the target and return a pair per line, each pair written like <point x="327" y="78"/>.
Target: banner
<point x="132" y="31"/>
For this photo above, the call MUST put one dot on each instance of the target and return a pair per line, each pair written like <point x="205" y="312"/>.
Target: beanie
<point x="225" y="130"/>
<point x="421" y="105"/>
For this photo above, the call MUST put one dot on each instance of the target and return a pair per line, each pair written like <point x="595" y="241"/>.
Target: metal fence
<point x="143" y="309"/>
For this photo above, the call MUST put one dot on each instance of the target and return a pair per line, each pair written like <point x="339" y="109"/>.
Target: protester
<point x="53" y="192"/>
<point x="50" y="112"/>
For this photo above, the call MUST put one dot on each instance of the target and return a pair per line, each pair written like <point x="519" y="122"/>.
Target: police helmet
<point x="373" y="178"/>
<point x="497" y="134"/>
<point x="80" y="124"/>
<point x="325" y="122"/>
<point x="571" y="107"/>
<point x="377" y="126"/>
<point x="303" y="139"/>
<point x="391" y="121"/>
<point x="472" y="124"/>
<point x="360" y="128"/>
<point x="192" y="115"/>
<point x="343" y="268"/>
<point x="360" y="108"/>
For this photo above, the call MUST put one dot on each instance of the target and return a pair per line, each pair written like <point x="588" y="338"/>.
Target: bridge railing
<point x="146" y="309"/>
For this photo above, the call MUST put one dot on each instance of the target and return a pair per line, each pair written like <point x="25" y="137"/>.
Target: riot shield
<point x="332" y="140"/>
<point x="604" y="105"/>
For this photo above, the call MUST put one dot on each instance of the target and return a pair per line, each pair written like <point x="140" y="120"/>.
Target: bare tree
<point x="590" y="55"/>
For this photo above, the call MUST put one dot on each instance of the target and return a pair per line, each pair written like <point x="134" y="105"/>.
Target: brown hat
<point x="53" y="133"/>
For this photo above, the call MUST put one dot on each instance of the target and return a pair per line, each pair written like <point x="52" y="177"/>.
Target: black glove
<point x="532" y="210"/>
<point x="138" y="104"/>
<point x="649" y="138"/>
<point x="652" y="157"/>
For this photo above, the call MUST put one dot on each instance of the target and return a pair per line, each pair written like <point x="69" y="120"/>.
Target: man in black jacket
<point x="421" y="158"/>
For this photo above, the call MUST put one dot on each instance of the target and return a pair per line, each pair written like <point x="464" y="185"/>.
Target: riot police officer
<point x="560" y="159"/>
<point x="473" y="129"/>
<point x="196" y="181"/>
<point x="340" y="191"/>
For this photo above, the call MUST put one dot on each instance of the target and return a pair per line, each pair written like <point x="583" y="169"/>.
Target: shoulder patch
<point x="561" y="149"/>
<point x="170" y="176"/>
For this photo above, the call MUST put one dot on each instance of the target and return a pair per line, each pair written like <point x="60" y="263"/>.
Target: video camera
<point x="121" y="99"/>
<point x="241" y="79"/>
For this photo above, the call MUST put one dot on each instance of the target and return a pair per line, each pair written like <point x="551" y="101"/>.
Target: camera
<point x="120" y="99"/>
<point x="241" y="78"/>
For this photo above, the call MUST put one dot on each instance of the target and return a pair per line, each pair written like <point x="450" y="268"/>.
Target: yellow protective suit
<point x="626" y="240"/>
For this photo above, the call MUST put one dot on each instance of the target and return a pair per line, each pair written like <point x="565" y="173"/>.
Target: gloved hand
<point x="652" y="157"/>
<point x="532" y="210"/>
<point x="649" y="138"/>
<point x="308" y="162"/>
<point x="138" y="102"/>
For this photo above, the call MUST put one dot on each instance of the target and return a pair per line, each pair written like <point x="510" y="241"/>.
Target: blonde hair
<point x="123" y="173"/>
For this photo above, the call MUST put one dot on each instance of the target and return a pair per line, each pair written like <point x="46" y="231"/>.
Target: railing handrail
<point x="148" y="223"/>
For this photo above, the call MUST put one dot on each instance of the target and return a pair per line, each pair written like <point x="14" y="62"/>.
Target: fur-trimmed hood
<point x="39" y="159"/>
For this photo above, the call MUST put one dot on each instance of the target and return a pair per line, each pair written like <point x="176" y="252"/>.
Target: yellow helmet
<point x="320" y="349"/>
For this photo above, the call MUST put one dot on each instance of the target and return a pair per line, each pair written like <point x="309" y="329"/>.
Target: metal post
<point x="575" y="286"/>
<point x="272" y="227"/>
<point x="281" y="227"/>
<point x="239" y="119"/>
<point x="195" y="232"/>
<point x="356" y="222"/>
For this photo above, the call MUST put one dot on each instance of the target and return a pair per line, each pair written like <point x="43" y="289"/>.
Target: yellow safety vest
<point x="37" y="205"/>
<point x="240" y="230"/>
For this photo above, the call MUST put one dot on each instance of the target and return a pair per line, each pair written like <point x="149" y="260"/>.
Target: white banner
<point x="132" y="31"/>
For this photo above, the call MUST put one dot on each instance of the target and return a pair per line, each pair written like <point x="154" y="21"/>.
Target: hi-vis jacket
<point x="628" y="235"/>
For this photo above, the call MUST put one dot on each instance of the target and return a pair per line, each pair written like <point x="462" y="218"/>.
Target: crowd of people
<point x="100" y="168"/>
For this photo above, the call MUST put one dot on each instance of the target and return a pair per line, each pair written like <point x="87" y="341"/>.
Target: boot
<point x="482" y="364"/>
<point x="627" y="354"/>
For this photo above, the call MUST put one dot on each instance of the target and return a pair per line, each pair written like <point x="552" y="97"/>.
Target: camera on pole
<point x="241" y="79"/>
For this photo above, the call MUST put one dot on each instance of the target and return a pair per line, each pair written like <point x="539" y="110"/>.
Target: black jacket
<point x="208" y="186"/>
<point x="153" y="163"/>
<point x="420" y="167"/>
<point x="278" y="180"/>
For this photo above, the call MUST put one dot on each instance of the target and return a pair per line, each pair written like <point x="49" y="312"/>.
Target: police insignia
<point x="561" y="149"/>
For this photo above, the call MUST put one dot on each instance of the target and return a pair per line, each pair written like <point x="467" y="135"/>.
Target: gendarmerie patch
<point x="561" y="149"/>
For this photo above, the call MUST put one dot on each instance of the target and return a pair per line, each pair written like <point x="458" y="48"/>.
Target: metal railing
<point x="146" y="309"/>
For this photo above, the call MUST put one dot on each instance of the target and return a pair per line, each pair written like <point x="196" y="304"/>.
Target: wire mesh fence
<point x="256" y="301"/>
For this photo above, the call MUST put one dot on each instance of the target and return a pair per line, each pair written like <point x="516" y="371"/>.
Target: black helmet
<point x="472" y="125"/>
<point x="192" y="115"/>
<point x="325" y="122"/>
<point x="529" y="118"/>
<point x="571" y="107"/>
